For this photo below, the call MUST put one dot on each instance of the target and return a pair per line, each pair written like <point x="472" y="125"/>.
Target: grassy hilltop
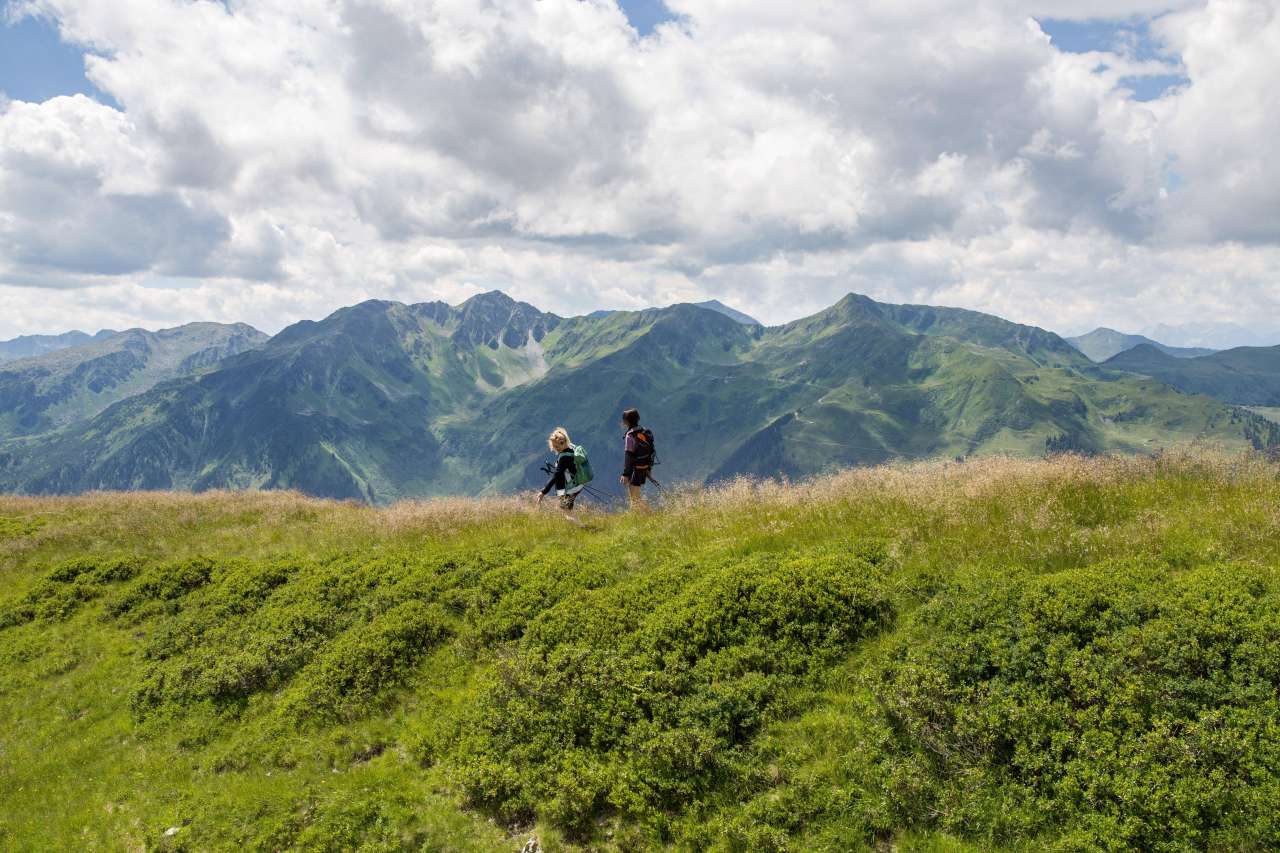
<point x="1070" y="654"/>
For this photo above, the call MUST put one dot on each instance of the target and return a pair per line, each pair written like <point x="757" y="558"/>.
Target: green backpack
<point x="582" y="474"/>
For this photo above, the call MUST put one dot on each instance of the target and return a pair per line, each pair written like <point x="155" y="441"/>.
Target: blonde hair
<point x="558" y="440"/>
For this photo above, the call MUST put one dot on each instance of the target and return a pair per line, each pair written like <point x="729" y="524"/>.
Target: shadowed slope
<point x="1247" y="376"/>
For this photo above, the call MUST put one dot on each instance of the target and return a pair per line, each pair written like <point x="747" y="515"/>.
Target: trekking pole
<point x="598" y="495"/>
<point x="607" y="500"/>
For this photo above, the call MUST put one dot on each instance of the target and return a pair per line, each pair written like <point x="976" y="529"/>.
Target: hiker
<point x="568" y="477"/>
<point x="637" y="459"/>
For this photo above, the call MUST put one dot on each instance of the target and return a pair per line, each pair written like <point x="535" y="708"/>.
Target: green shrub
<point x="254" y="627"/>
<point x="161" y="584"/>
<point x="240" y="588"/>
<point x="637" y="698"/>
<point x="1121" y="706"/>
<point x="364" y="661"/>
<point x="65" y="589"/>
<point x="1053" y="659"/>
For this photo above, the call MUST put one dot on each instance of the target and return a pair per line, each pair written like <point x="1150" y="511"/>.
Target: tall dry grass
<point x="940" y="482"/>
<point x="930" y="483"/>
<point x="921" y="498"/>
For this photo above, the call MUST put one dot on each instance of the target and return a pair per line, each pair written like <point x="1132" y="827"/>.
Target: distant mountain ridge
<point x="732" y="313"/>
<point x="29" y="346"/>
<point x="383" y="400"/>
<point x="1103" y="343"/>
<point x="710" y="305"/>
<point x="75" y="383"/>
<point x="1245" y="376"/>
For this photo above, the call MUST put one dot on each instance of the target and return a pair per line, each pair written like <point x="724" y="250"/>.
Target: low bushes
<point x="1069" y="655"/>
<point x="156" y="588"/>
<point x="66" y="589"/>
<point x="364" y="661"/>
<point x="639" y="699"/>
<point x="334" y="631"/>
<point x="1118" y="707"/>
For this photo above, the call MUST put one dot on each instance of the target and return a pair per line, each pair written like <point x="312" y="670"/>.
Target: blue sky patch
<point x="644" y="15"/>
<point x="1151" y="88"/>
<point x="1131" y="37"/>
<point x="36" y="64"/>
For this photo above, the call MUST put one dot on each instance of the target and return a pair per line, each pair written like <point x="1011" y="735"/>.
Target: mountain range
<point x="383" y="400"/>
<point x="30" y="346"/>
<point x="1103" y="343"/>
<point x="1247" y="376"/>
<point x="74" y="383"/>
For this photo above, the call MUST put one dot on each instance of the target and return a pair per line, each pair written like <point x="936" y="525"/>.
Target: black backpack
<point x="646" y="450"/>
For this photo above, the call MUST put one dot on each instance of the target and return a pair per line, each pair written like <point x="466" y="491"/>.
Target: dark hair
<point x="631" y="418"/>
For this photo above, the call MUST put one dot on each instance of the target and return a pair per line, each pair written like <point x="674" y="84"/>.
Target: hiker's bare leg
<point x="636" y="494"/>
<point x="566" y="506"/>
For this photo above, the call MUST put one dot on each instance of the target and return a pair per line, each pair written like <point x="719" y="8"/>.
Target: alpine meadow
<point x="639" y="426"/>
<point x="1073" y="654"/>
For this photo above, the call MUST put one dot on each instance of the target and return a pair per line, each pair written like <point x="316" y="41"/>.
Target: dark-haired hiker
<point x="637" y="458"/>
<point x="564" y="475"/>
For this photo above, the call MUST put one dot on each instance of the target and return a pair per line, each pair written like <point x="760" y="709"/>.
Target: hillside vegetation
<point x="1073" y="654"/>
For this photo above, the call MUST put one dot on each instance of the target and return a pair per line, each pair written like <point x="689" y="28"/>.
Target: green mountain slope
<point x="383" y="401"/>
<point x="341" y="408"/>
<point x="881" y="382"/>
<point x="1103" y="343"/>
<point x="30" y="346"/>
<point x="1247" y="376"/>
<point x="75" y="383"/>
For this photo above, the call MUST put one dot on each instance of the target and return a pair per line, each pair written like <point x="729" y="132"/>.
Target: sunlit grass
<point x="311" y="759"/>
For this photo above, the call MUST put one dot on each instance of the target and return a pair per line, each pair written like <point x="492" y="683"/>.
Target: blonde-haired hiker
<point x="571" y="474"/>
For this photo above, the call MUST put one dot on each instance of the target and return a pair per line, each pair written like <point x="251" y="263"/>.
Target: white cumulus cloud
<point x="275" y="159"/>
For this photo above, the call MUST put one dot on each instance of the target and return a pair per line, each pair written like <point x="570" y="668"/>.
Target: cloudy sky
<point x="1062" y="163"/>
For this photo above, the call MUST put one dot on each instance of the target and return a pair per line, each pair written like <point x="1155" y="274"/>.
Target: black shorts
<point x="639" y="478"/>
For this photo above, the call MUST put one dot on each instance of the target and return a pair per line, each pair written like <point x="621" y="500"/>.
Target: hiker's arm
<point x="557" y="480"/>
<point x="628" y="456"/>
